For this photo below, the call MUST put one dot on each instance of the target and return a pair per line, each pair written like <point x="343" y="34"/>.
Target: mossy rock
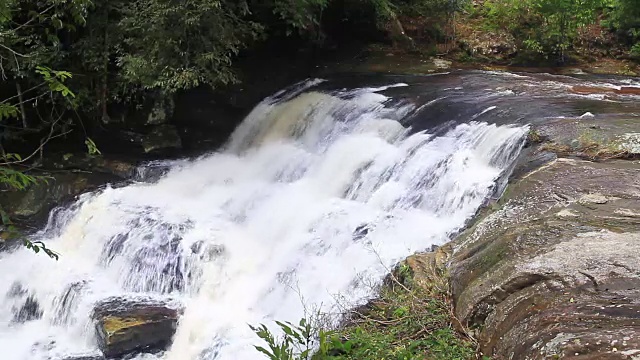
<point x="126" y="326"/>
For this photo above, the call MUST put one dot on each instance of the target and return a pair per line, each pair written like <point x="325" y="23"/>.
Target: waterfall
<point x="316" y="195"/>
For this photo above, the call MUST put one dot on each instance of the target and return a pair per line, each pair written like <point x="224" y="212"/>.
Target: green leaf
<point x="8" y="111"/>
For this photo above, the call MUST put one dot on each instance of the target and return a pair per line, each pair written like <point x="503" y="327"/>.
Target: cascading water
<point x="315" y="196"/>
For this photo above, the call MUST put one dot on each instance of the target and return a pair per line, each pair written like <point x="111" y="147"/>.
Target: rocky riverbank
<point x="551" y="270"/>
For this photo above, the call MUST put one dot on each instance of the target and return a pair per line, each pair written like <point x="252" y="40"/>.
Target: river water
<point x="320" y="190"/>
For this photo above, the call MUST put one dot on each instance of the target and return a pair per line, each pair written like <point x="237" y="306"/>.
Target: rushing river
<point x="317" y="194"/>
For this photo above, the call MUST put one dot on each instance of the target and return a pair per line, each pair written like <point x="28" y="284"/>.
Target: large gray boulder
<point x="127" y="326"/>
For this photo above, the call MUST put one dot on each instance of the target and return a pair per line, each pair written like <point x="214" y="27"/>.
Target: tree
<point x="29" y="41"/>
<point x="544" y="28"/>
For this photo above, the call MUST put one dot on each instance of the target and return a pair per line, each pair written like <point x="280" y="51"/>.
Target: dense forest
<point x="72" y="68"/>
<point x="75" y="64"/>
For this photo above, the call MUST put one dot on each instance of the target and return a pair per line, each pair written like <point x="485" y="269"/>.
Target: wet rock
<point x="627" y="213"/>
<point x="547" y="277"/>
<point x="119" y="168"/>
<point x="161" y="111"/>
<point x="629" y="90"/>
<point x="162" y="138"/>
<point x="531" y="160"/>
<point x="32" y="205"/>
<point x="40" y="197"/>
<point x="592" y="199"/>
<point x="207" y="251"/>
<point x="588" y="90"/>
<point x="442" y="64"/>
<point x="29" y="311"/>
<point x="83" y="162"/>
<point x="84" y="357"/>
<point x="132" y="325"/>
<point x="566" y="213"/>
<point x="361" y="231"/>
<point x="629" y="143"/>
<point x="428" y="268"/>
<point x="591" y="137"/>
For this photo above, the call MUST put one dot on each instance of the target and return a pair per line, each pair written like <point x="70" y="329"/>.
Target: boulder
<point x="555" y="271"/>
<point x="161" y="138"/>
<point x="127" y="326"/>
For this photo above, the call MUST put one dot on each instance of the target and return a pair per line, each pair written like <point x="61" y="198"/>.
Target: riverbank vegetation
<point x="556" y="32"/>
<point x="408" y="320"/>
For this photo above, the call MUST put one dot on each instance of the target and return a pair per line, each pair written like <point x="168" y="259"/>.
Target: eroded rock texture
<point x="555" y="272"/>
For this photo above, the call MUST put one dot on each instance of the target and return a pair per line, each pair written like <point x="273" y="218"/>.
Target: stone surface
<point x="555" y="272"/>
<point x="589" y="133"/>
<point x="33" y="204"/>
<point x="84" y="357"/>
<point x="593" y="199"/>
<point x="126" y="326"/>
<point x="162" y="138"/>
<point x="161" y="111"/>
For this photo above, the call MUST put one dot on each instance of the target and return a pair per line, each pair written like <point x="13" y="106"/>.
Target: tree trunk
<point x="397" y="34"/>
<point x="23" y="115"/>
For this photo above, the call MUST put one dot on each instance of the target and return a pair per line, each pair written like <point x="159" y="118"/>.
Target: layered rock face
<point x="555" y="272"/>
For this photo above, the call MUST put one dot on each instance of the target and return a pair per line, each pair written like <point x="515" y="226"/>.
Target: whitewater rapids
<point x="316" y="195"/>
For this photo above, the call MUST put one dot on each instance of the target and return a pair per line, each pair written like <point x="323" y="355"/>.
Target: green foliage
<point x="170" y="46"/>
<point x="130" y="50"/>
<point x="299" y="15"/>
<point x="297" y="343"/>
<point x="22" y="46"/>
<point x="635" y="51"/>
<point x="14" y="179"/>
<point x="544" y="28"/>
<point x="55" y="80"/>
<point x="8" y="111"/>
<point x="406" y="322"/>
<point x="624" y="18"/>
<point x="92" y="148"/>
<point x="430" y="8"/>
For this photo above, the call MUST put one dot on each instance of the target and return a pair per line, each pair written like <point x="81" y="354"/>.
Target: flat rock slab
<point x="613" y="133"/>
<point x="132" y="325"/>
<point x="555" y="272"/>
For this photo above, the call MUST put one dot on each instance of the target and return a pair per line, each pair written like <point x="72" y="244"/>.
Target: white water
<point x="259" y="231"/>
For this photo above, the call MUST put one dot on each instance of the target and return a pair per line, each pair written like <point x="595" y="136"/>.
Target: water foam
<point x="264" y="230"/>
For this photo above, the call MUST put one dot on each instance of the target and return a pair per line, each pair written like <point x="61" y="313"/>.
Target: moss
<point x="113" y="325"/>
<point x="589" y="150"/>
<point x="534" y="136"/>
